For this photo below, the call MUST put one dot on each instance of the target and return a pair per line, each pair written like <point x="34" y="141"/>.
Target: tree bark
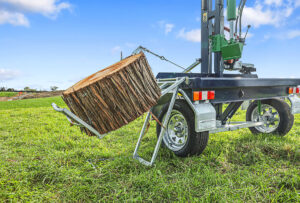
<point x="114" y="96"/>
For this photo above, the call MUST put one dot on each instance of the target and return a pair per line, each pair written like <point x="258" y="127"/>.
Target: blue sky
<point x="50" y="42"/>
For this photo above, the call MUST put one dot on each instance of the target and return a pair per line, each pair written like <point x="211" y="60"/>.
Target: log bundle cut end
<point x="114" y="96"/>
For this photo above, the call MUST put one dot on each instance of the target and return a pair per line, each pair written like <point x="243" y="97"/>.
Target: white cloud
<point x="168" y="27"/>
<point x="256" y="16"/>
<point x="7" y="74"/>
<point x="13" y="11"/>
<point x="192" y="35"/>
<point x="269" y="12"/>
<point x="293" y="34"/>
<point x="14" y="18"/>
<point x="45" y="7"/>
<point x="276" y="2"/>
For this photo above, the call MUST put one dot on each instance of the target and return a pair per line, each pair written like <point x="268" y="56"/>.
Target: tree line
<point x="26" y="89"/>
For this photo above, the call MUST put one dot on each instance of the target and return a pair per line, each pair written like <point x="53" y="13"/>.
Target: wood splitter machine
<point x="192" y="104"/>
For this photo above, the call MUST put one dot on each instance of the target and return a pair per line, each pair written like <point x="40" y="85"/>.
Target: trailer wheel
<point x="275" y="112"/>
<point x="180" y="136"/>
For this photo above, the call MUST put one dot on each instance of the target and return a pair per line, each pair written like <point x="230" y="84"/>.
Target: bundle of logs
<point x="114" y="96"/>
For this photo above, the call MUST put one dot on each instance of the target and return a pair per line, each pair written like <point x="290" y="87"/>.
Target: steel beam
<point x="219" y="29"/>
<point x="205" y="53"/>
<point x="230" y="111"/>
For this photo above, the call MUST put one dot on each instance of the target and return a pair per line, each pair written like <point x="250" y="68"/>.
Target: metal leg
<point x="147" y="120"/>
<point x="162" y="132"/>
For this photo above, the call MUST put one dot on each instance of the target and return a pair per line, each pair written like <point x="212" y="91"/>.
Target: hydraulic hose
<point x="241" y="14"/>
<point x="237" y="19"/>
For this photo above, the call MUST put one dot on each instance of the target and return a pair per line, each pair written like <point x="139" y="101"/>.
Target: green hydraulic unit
<point x="230" y="49"/>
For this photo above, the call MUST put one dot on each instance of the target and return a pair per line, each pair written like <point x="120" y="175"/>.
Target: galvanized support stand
<point x="174" y="89"/>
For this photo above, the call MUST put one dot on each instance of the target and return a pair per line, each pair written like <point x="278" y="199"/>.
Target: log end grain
<point x="106" y="72"/>
<point x="114" y="96"/>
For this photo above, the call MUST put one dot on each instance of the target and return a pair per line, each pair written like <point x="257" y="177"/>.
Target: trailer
<point x="195" y="105"/>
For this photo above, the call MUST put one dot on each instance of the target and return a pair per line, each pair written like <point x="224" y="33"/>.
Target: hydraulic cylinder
<point x="231" y="15"/>
<point x="231" y="10"/>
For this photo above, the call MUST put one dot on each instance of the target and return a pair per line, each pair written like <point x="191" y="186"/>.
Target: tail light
<point x="203" y="95"/>
<point x="294" y="90"/>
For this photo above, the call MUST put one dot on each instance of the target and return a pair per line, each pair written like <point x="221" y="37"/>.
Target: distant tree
<point x="29" y="89"/>
<point x="2" y="89"/>
<point x="10" y="90"/>
<point x="53" y="88"/>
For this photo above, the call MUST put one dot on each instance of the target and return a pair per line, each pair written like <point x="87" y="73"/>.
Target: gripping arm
<point x="72" y="117"/>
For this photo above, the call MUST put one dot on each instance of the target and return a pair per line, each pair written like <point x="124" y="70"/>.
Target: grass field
<point x="8" y="94"/>
<point x="43" y="159"/>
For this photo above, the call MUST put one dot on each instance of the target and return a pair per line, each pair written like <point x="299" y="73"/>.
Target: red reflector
<point x="203" y="95"/>
<point x="298" y="90"/>
<point x="196" y="96"/>
<point x="211" y="95"/>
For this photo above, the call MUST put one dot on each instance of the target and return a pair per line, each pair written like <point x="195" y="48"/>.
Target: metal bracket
<point x="173" y="88"/>
<point x="295" y="102"/>
<point x="72" y="117"/>
<point x="235" y="126"/>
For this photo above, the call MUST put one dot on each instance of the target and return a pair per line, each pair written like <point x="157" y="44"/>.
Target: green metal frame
<point x="229" y="49"/>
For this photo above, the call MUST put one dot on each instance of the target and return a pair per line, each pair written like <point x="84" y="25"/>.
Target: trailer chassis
<point x="207" y="116"/>
<point x="207" y="113"/>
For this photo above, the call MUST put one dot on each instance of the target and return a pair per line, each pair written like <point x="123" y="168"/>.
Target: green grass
<point x="43" y="159"/>
<point x="8" y="94"/>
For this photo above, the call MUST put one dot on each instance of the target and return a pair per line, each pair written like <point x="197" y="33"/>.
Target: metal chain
<point x="141" y="48"/>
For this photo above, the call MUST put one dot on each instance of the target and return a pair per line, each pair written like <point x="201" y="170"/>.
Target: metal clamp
<point x="72" y="117"/>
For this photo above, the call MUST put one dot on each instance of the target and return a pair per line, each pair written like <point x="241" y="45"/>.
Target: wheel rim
<point x="269" y="115"/>
<point x="176" y="133"/>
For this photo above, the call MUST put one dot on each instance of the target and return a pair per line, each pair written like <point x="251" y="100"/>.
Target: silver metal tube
<point x="237" y="19"/>
<point x="231" y="29"/>
<point x="191" y="67"/>
<point x="236" y="127"/>
<point x="241" y="15"/>
<point x="187" y="100"/>
<point x="69" y="114"/>
<point x="167" y="80"/>
<point x="172" y="86"/>
<point x="162" y="132"/>
<point x="148" y="117"/>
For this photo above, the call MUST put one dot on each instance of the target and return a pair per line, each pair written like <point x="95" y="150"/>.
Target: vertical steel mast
<point x="206" y="66"/>
<point x="207" y="29"/>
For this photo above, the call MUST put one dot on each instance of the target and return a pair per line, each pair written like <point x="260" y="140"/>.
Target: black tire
<point x="286" y="117"/>
<point x="196" y="142"/>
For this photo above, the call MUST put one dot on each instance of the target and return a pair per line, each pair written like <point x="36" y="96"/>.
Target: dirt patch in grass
<point x="32" y="96"/>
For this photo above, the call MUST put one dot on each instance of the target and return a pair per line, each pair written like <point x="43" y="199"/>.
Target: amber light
<point x="203" y="95"/>
<point x="196" y="96"/>
<point x="291" y="90"/>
